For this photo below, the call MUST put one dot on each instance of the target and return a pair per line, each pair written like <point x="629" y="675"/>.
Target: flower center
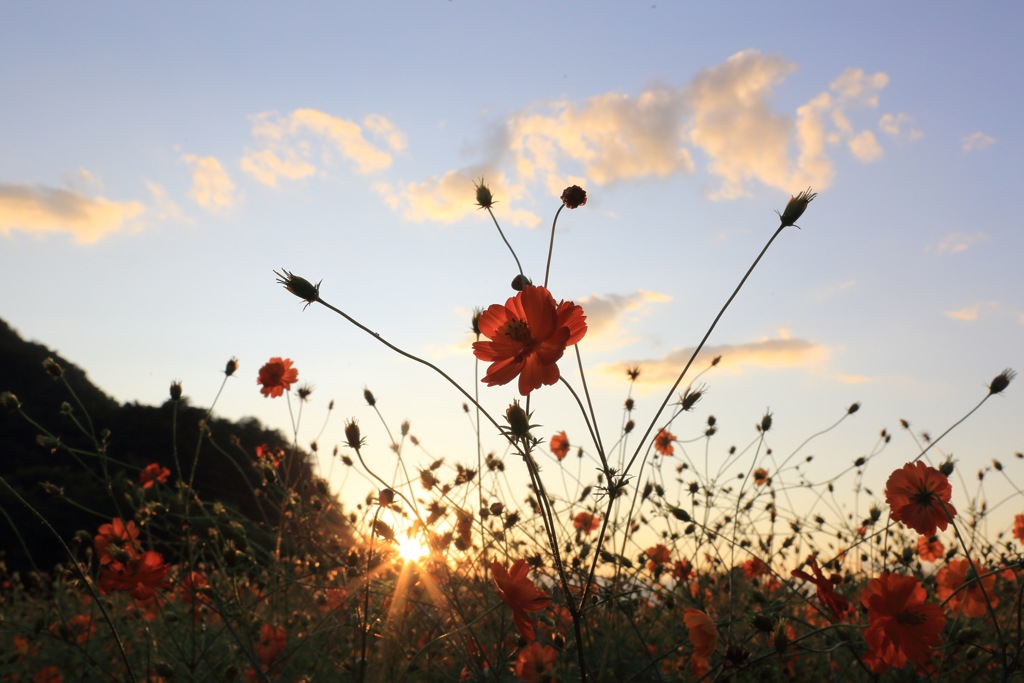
<point x="910" y="618"/>
<point x="518" y="331"/>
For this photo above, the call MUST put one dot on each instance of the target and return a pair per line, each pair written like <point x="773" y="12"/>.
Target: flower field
<point x="627" y="557"/>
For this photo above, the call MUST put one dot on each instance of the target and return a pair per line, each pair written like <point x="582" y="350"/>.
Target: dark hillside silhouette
<point x="75" y="491"/>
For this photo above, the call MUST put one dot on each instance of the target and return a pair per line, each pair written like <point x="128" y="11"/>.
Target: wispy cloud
<point x="900" y="126"/>
<point x="981" y="309"/>
<point x="449" y="198"/>
<point x="722" y="122"/>
<point x="957" y="242"/>
<point x="212" y="187"/>
<point x="40" y="209"/>
<point x="977" y="141"/>
<point x="782" y="351"/>
<point x="607" y="315"/>
<point x="291" y="146"/>
<point x="166" y="208"/>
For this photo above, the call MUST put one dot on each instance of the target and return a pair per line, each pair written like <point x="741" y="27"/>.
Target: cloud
<point x="166" y="208"/>
<point x="780" y="352"/>
<point x="41" y="209"/>
<point x="605" y="314"/>
<point x="450" y="198"/>
<point x="291" y="146"/>
<point x="864" y="146"/>
<point x="977" y="141"/>
<point x="984" y="308"/>
<point x="212" y="188"/>
<point x="958" y="242"/>
<point x="900" y="126"/>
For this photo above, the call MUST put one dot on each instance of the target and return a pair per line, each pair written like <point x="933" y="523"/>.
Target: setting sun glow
<point x="411" y="549"/>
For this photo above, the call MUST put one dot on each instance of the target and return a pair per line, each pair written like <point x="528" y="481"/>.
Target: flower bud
<point x="370" y="399"/>
<point x="1001" y="381"/>
<point x="53" y="368"/>
<point x="385" y="497"/>
<point x="300" y="287"/>
<point x="176" y="390"/>
<point x="231" y="366"/>
<point x="519" y="282"/>
<point x="518" y="421"/>
<point x="352" y="435"/>
<point x="796" y="207"/>
<point x="9" y="401"/>
<point x="484" y="198"/>
<point x="574" y="197"/>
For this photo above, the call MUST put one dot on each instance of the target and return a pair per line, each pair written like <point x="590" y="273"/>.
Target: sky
<point x="157" y="163"/>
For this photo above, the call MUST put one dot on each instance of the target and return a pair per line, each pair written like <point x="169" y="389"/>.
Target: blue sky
<point x="157" y="163"/>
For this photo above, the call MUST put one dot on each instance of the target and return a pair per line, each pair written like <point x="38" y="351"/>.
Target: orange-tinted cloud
<point x="212" y="187"/>
<point x="39" y="209"/>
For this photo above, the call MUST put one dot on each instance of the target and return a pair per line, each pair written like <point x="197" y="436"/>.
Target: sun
<point x="411" y="549"/>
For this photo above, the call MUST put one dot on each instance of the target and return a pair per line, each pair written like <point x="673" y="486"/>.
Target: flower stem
<point x="518" y="265"/>
<point x="551" y="245"/>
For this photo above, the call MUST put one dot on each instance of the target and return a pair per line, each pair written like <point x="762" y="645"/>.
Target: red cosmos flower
<point x="663" y="442"/>
<point x="560" y="445"/>
<point x="528" y="336"/>
<point x="152" y="474"/>
<point x="1018" y="528"/>
<point x="901" y="626"/>
<point x="116" y="540"/>
<point x="836" y="604"/>
<point x="658" y="555"/>
<point x="930" y="548"/>
<point x="139" y="576"/>
<point x="703" y="632"/>
<point x="961" y="589"/>
<point x="193" y="589"/>
<point x="277" y="376"/>
<point x="536" y="663"/>
<point x="48" y="674"/>
<point x="270" y="645"/>
<point x="681" y="570"/>
<point x="586" y="522"/>
<point x="517" y="591"/>
<point x="755" y="567"/>
<point x="918" y="496"/>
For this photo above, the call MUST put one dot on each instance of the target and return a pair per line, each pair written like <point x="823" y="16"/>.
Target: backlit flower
<point x="116" y="541"/>
<point x="526" y="338"/>
<point x="536" y="663"/>
<point x="835" y="603"/>
<point x="152" y="474"/>
<point x="517" y="591"/>
<point x="657" y="556"/>
<point x="918" y="496"/>
<point x="702" y="631"/>
<point x="139" y="576"/>
<point x="560" y="445"/>
<point x="277" y="376"/>
<point x="270" y="645"/>
<point x="1018" y="528"/>
<point x="901" y="626"/>
<point x="663" y="442"/>
<point x="929" y="548"/>
<point x="586" y="522"/>
<point x="961" y="589"/>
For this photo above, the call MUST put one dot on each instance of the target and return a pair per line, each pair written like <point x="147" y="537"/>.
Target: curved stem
<point x="503" y="238"/>
<point x="551" y="245"/>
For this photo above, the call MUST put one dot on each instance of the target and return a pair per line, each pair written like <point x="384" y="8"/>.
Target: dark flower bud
<point x="518" y="421"/>
<point x="385" y="497"/>
<point x="484" y="198"/>
<point x="300" y="287"/>
<point x="352" y="435"/>
<point x="574" y="197"/>
<point x="854" y="407"/>
<point x="946" y="467"/>
<point x="9" y="401"/>
<point x="474" y="323"/>
<point x="370" y="400"/>
<point x="1001" y="381"/>
<point x="231" y="366"/>
<point x="53" y="368"/>
<point x="519" y="282"/>
<point x="766" y="422"/>
<point x="176" y="390"/>
<point x="796" y="207"/>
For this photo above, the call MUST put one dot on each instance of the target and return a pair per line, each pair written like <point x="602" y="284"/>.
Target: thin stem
<point x="700" y="346"/>
<point x="518" y="265"/>
<point x="551" y="245"/>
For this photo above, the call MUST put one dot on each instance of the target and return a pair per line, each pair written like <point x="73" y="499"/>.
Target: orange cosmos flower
<point x="152" y="474"/>
<point x="755" y="567"/>
<point x="961" y="589"/>
<point x="918" y="496"/>
<point x="517" y="591"/>
<point x="1018" y="528"/>
<point x="277" y="376"/>
<point x="115" y="541"/>
<point x="560" y="445"/>
<point x="140" y="576"/>
<point x="658" y="555"/>
<point x="703" y="632"/>
<point x="930" y="548"/>
<point x="270" y="645"/>
<point x="527" y="336"/>
<point x="536" y="663"/>
<point x="663" y="442"/>
<point x="586" y="522"/>
<point x="901" y="626"/>
<point x="835" y="603"/>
